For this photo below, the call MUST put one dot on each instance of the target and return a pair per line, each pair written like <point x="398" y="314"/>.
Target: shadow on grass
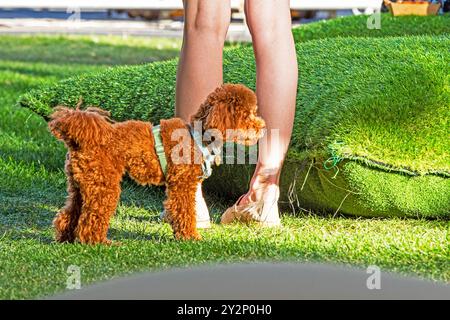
<point x="28" y="213"/>
<point x="35" y="236"/>
<point x="160" y="235"/>
<point x="31" y="154"/>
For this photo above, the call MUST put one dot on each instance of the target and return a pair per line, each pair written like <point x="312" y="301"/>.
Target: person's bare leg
<point x="269" y="22"/>
<point x="200" y="64"/>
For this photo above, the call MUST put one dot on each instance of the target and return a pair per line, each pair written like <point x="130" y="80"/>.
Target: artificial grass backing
<point x="356" y="26"/>
<point x="357" y="189"/>
<point x="377" y="109"/>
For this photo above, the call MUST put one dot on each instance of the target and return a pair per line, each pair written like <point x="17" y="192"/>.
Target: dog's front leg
<point x="180" y="205"/>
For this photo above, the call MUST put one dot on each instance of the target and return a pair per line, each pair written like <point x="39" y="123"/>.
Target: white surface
<point x="177" y="4"/>
<point x="171" y="29"/>
<point x="258" y="281"/>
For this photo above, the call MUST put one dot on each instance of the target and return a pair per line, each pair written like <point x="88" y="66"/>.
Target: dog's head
<point x="231" y="109"/>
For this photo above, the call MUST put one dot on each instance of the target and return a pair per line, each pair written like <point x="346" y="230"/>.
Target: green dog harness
<point x="159" y="147"/>
<point x="209" y="158"/>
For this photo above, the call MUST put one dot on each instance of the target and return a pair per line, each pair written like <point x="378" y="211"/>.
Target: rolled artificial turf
<point x="371" y="127"/>
<point x="389" y="26"/>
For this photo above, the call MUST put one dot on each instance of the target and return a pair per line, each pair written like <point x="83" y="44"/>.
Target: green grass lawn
<point x="32" y="188"/>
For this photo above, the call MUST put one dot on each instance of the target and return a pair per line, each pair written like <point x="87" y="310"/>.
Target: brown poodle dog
<point x="101" y="151"/>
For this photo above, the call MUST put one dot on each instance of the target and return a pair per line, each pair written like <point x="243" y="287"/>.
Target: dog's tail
<point x="81" y="127"/>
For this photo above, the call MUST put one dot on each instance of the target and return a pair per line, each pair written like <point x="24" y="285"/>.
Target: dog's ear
<point x="78" y="127"/>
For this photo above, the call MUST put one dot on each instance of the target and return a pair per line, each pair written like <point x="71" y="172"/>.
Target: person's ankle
<point x="267" y="190"/>
<point x="268" y="171"/>
<point x="264" y="178"/>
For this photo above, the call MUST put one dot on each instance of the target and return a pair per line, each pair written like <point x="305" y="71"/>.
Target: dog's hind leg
<point x="98" y="208"/>
<point x="180" y="205"/>
<point x="66" y="220"/>
<point x="100" y="190"/>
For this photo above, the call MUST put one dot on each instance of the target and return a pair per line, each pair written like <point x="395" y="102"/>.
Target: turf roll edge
<point x="357" y="26"/>
<point x="371" y="128"/>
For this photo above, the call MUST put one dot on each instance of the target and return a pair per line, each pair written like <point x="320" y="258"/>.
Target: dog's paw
<point x="186" y="236"/>
<point x="112" y="243"/>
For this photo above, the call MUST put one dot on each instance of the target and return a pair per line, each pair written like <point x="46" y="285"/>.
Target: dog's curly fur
<point x="101" y="151"/>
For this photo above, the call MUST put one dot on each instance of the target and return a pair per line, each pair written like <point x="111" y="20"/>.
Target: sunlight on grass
<point x="32" y="188"/>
